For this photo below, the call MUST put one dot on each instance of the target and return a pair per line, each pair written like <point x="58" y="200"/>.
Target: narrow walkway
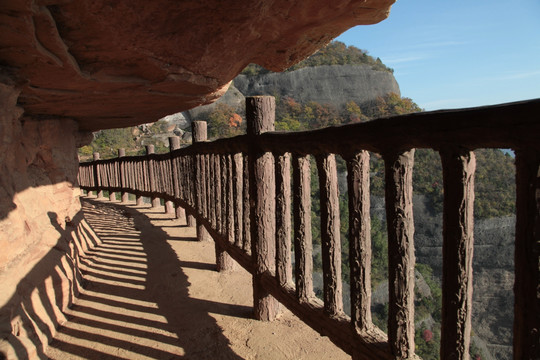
<point x="152" y="292"/>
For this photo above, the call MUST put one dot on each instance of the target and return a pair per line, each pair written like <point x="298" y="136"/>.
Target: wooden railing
<point x="239" y="191"/>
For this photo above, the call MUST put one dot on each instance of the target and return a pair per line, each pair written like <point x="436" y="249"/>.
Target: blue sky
<point x="452" y="54"/>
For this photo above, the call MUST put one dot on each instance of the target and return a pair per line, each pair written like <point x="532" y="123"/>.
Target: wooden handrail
<point x="239" y="190"/>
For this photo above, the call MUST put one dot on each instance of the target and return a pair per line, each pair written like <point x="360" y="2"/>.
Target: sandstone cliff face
<point x="115" y="64"/>
<point x="38" y="220"/>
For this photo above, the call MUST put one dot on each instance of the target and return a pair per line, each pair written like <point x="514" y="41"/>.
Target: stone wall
<point x="39" y="221"/>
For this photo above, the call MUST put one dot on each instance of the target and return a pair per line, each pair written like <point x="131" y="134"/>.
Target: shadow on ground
<point x="136" y="304"/>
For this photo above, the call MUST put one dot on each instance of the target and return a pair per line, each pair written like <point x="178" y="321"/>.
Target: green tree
<point x="107" y="142"/>
<point x="335" y="53"/>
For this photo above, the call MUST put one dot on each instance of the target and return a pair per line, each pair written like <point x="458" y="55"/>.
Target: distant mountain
<point x="327" y="84"/>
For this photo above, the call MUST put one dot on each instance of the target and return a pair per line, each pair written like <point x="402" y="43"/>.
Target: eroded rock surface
<point x="39" y="220"/>
<point x="113" y="64"/>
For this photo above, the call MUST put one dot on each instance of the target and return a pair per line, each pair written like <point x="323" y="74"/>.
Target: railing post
<point x="260" y="114"/>
<point x="330" y="234"/>
<point x="151" y="176"/>
<point x="174" y="144"/>
<point x="303" y="243"/>
<point x="283" y="219"/>
<point x="138" y="179"/>
<point x="527" y="253"/>
<point x="97" y="182"/>
<point x="223" y="261"/>
<point x="190" y="166"/>
<point x="359" y="240"/>
<point x="458" y="167"/>
<point x="198" y="130"/>
<point x="401" y="259"/>
<point x="122" y="173"/>
<point x="238" y="162"/>
<point x="246" y="230"/>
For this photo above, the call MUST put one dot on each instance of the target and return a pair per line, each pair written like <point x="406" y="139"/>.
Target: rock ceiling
<point x="115" y="63"/>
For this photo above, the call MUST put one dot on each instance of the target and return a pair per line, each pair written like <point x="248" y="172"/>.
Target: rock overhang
<point x="110" y="64"/>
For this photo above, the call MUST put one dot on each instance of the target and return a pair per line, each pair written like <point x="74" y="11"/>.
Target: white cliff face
<point x="493" y="274"/>
<point x="328" y="84"/>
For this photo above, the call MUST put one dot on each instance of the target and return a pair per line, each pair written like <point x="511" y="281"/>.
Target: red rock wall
<point x="40" y="227"/>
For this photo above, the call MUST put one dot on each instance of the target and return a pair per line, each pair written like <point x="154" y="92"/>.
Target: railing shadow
<point x="29" y="318"/>
<point x="137" y="301"/>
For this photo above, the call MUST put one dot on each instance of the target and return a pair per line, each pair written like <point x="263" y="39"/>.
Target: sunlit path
<point x="152" y="292"/>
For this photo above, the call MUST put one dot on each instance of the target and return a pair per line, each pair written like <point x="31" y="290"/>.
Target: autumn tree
<point x="352" y="113"/>
<point x="224" y="121"/>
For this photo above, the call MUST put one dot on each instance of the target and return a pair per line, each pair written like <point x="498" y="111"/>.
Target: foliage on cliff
<point x="494" y="181"/>
<point x="335" y="53"/>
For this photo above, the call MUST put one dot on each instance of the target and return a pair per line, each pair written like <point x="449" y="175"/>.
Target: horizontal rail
<point x="240" y="192"/>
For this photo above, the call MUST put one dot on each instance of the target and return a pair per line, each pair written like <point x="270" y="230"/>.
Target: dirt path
<point x="152" y="292"/>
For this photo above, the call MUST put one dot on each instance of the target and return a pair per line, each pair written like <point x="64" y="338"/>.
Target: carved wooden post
<point x="230" y="199"/>
<point x="527" y="253"/>
<point x="458" y="176"/>
<point x="246" y="231"/>
<point x="283" y="219"/>
<point x="174" y="144"/>
<point x="137" y="169"/>
<point x="238" y="162"/>
<point x="198" y="129"/>
<point x="359" y="240"/>
<point x="97" y="182"/>
<point x="142" y="178"/>
<point x="260" y="114"/>
<point x="401" y="259"/>
<point x="218" y="176"/>
<point x="223" y="203"/>
<point x="122" y="173"/>
<point x="303" y="245"/>
<point x="330" y="234"/>
<point x="223" y="261"/>
<point x="112" y="178"/>
<point x="190" y="167"/>
<point x="212" y="192"/>
<point x="151" y="176"/>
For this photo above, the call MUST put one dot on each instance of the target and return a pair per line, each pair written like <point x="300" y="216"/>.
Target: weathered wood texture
<point x="303" y="246"/>
<point x="99" y="192"/>
<point x="458" y="175"/>
<point x="527" y="256"/>
<point x="359" y="240"/>
<point x="213" y="178"/>
<point x="152" y="175"/>
<point x="246" y="231"/>
<point x="224" y="175"/>
<point x="330" y="234"/>
<point x="260" y="112"/>
<point x="283" y="219"/>
<point x="223" y="261"/>
<point x="198" y="131"/>
<point x="230" y="199"/>
<point x="401" y="259"/>
<point x="238" y="209"/>
<point x="217" y="188"/>
<point x="112" y="194"/>
<point x="124" y="195"/>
